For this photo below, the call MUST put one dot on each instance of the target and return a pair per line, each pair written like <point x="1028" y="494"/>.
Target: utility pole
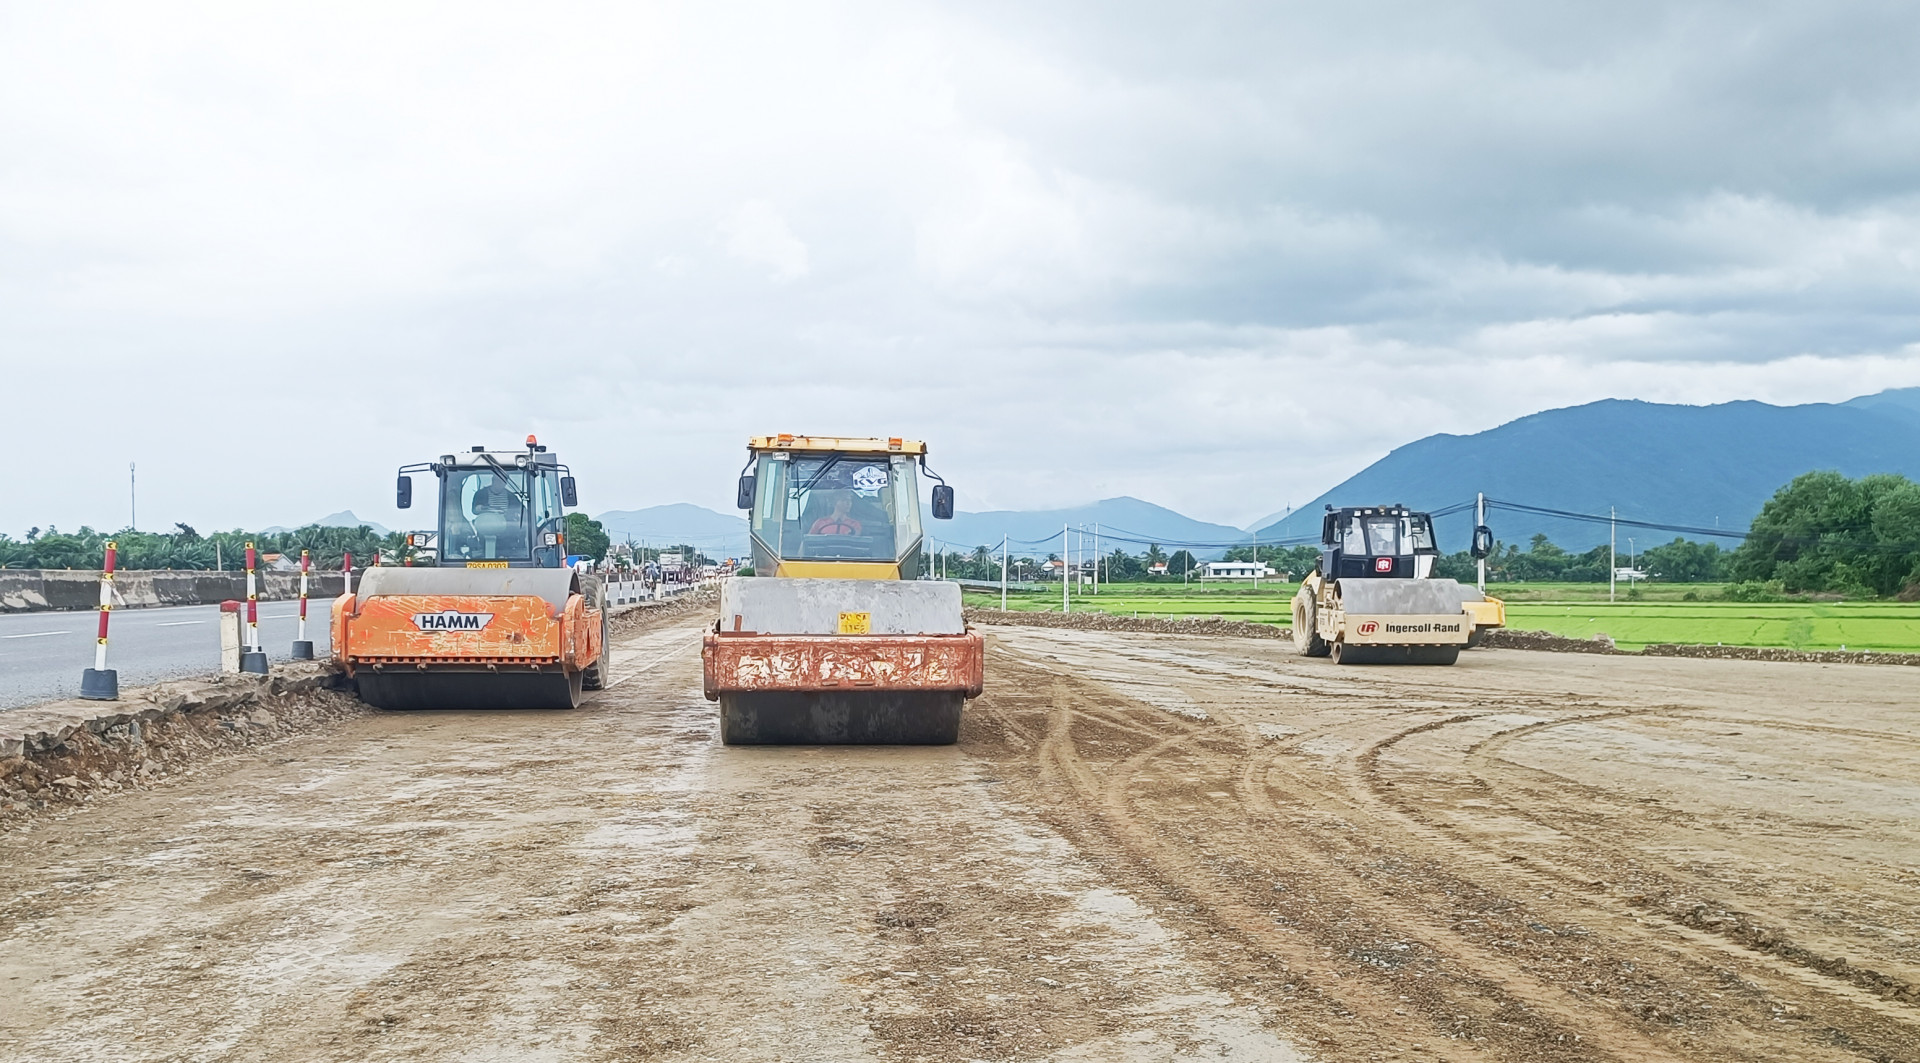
<point x="1066" y="604"/>
<point x="1612" y="567"/>
<point x="1096" y="557"/>
<point x="1003" y="572"/>
<point x="1480" y="521"/>
<point x="133" y="500"/>
<point x="1630" y="575"/>
<point x="1256" y="559"/>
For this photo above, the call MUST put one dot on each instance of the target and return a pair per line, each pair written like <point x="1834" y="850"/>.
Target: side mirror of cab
<point x="942" y="502"/>
<point x="1482" y="542"/>
<point x="403" y="492"/>
<point x="569" y="492"/>
<point x="743" y="497"/>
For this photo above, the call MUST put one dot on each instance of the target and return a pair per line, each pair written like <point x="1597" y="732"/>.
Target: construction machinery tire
<point x="595" y="675"/>
<point x="1476" y="637"/>
<point x="448" y="689"/>
<point x="1345" y="654"/>
<point x="784" y="717"/>
<point x="1306" y="628"/>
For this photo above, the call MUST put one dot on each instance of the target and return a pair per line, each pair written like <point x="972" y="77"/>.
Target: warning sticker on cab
<point x="856" y="623"/>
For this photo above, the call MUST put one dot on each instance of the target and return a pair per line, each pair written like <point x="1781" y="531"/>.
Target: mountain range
<point x="342" y="519"/>
<point x="1127" y="523"/>
<point x="1703" y="466"/>
<point x="679" y="523"/>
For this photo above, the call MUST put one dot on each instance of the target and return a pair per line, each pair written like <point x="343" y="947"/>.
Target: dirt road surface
<point x="1145" y="847"/>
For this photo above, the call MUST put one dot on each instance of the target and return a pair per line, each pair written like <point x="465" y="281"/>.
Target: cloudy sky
<point x="1218" y="256"/>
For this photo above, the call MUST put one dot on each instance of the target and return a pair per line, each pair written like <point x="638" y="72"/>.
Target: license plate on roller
<point x="856" y="623"/>
<point x="486" y="564"/>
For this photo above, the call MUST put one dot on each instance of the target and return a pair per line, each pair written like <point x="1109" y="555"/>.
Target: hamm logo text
<point x="452" y="621"/>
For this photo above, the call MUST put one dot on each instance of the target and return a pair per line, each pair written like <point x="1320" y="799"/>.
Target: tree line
<point x="1821" y="533"/>
<point x="187" y="549"/>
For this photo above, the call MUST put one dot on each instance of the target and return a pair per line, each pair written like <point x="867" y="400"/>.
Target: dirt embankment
<point x="640" y="616"/>
<point x="68" y="753"/>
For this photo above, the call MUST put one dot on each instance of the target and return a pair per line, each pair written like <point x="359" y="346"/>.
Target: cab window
<point x="838" y="507"/>
<point x="486" y="515"/>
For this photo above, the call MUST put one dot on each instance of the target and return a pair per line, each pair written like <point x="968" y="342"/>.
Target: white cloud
<point x="1215" y="256"/>
<point x="757" y="233"/>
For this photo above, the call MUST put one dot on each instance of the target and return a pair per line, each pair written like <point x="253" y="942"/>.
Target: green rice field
<point x="1660" y="614"/>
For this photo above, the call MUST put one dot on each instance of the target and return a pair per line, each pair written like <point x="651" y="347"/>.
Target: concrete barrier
<point x="32" y="590"/>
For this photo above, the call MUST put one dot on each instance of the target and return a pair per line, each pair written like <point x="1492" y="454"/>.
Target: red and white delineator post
<point x="346" y="573"/>
<point x="302" y="648"/>
<point x="101" y="683"/>
<point x="254" y="659"/>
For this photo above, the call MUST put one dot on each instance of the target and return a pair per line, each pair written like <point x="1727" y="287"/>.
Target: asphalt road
<point x="43" y="654"/>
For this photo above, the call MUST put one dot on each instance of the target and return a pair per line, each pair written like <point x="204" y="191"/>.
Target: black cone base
<point x="100" y="684"/>
<point x="905" y="718"/>
<point x="253" y="663"/>
<point x="302" y="651"/>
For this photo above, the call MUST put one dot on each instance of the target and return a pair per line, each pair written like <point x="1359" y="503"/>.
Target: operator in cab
<point x="840" y="521"/>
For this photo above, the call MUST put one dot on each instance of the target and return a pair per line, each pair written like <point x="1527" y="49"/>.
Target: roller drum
<point x="460" y="690"/>
<point x="791" y="717"/>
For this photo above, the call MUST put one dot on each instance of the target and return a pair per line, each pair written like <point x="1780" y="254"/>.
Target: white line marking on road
<point x="179" y="623"/>
<point x="35" y="634"/>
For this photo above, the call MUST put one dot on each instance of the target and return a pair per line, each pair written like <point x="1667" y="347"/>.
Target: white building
<point x="1236" y="570"/>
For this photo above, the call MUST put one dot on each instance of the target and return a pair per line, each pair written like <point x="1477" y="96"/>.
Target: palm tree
<point x="1155" y="555"/>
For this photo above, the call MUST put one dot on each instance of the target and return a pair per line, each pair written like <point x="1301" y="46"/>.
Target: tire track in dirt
<point x="1364" y="803"/>
<point x="1488" y="997"/>
<point x="1880" y="1026"/>
<point x="1739" y="932"/>
<point x="1865" y="1000"/>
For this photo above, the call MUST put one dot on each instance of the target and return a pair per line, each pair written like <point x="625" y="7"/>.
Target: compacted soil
<point x="1145" y="847"/>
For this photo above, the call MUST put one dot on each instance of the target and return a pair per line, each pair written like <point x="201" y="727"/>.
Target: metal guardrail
<point x="634" y="591"/>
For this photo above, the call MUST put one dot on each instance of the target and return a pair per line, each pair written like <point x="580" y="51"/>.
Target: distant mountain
<point x="342" y="519"/>
<point x="1900" y="401"/>
<point x="726" y="534"/>
<point x="719" y="534"/>
<point x="1275" y="516"/>
<point x="1704" y="466"/>
<point x="1120" y="519"/>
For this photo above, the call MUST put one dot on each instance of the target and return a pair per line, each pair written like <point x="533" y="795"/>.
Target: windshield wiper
<point x="507" y="479"/>
<point x="831" y="462"/>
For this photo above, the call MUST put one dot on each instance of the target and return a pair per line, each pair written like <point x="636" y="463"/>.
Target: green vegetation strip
<point x="1879" y="626"/>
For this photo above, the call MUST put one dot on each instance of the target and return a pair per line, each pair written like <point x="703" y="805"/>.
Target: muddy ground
<point x="1145" y="847"/>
